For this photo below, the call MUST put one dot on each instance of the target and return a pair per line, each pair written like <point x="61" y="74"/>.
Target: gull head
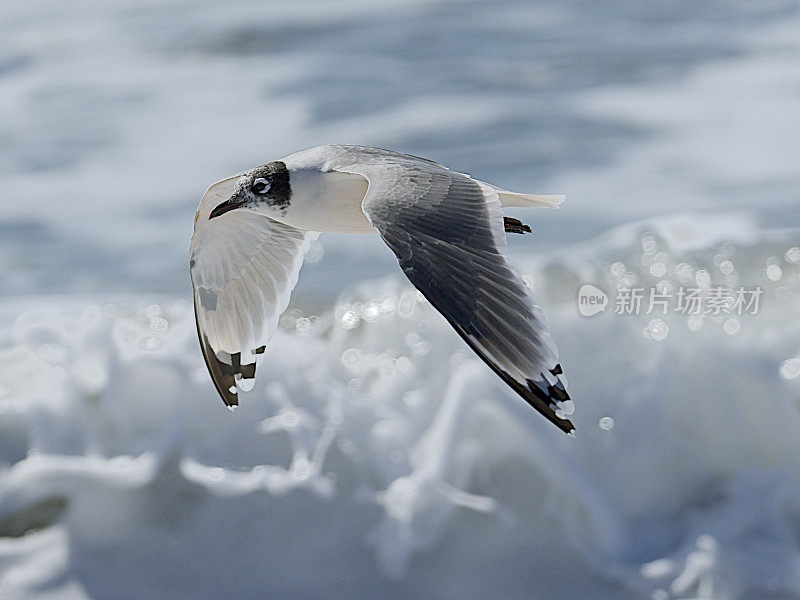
<point x="264" y="190"/>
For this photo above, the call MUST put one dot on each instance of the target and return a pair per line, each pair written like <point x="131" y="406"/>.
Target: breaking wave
<point x="377" y="456"/>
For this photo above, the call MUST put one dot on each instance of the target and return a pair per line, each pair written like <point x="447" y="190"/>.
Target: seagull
<point x="447" y="230"/>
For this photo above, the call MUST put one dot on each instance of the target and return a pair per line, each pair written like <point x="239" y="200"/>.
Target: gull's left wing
<point x="448" y="234"/>
<point x="243" y="267"/>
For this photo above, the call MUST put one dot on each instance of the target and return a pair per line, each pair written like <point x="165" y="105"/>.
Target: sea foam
<point x="377" y="456"/>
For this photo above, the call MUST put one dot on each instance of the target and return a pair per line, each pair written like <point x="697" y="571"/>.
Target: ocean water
<point x="376" y="456"/>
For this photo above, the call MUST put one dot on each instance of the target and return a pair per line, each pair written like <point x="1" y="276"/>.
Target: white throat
<point x="326" y="202"/>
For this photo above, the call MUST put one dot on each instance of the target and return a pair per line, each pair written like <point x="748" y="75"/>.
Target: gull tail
<point x="525" y="200"/>
<point x="513" y="199"/>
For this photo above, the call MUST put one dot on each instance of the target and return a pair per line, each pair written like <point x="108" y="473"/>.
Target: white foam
<point x="705" y="427"/>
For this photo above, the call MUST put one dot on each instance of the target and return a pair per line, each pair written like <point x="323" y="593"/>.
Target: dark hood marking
<point x="280" y="192"/>
<point x="278" y="196"/>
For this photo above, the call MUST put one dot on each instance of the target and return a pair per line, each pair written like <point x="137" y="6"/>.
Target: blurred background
<point x="376" y="457"/>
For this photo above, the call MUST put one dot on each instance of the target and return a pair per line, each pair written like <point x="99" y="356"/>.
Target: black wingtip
<point x="221" y="373"/>
<point x="532" y="394"/>
<point x="549" y="395"/>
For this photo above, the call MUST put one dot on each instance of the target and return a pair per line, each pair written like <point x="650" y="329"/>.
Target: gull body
<point x="446" y="229"/>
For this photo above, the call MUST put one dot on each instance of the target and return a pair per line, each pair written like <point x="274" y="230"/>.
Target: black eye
<point x="260" y="186"/>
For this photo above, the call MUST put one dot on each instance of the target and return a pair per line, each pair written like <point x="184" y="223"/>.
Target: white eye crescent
<point x="260" y="186"/>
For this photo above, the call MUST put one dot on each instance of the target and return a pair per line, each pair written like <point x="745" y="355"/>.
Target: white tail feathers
<point x="524" y="200"/>
<point x="513" y="199"/>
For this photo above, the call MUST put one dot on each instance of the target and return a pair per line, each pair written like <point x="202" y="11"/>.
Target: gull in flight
<point x="446" y="229"/>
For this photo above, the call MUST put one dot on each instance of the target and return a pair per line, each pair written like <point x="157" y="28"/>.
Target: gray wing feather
<point x="447" y="232"/>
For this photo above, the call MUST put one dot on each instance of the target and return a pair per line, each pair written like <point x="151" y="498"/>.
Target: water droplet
<point x="350" y="357"/>
<point x="389" y="305"/>
<point x="790" y="369"/>
<point x="649" y="244"/>
<point x="290" y="419"/>
<point x="664" y="286"/>
<point x="403" y="364"/>
<point x="702" y="277"/>
<point x="371" y="311"/>
<point x="774" y="272"/>
<point x="731" y="326"/>
<point x="606" y="423"/>
<point x="726" y="267"/>
<point x="792" y="255"/>
<point x="349" y="319"/>
<point x="658" y="329"/>
<point x="302" y="325"/>
<point x="684" y="272"/>
<point x="617" y="269"/>
<point x="159" y="325"/>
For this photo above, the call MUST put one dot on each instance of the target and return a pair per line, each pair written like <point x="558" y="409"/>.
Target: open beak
<point x="230" y="204"/>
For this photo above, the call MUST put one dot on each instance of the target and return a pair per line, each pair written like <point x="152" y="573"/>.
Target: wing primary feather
<point x="222" y="381"/>
<point x="535" y="397"/>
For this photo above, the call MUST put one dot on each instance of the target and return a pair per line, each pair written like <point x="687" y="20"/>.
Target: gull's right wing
<point x="243" y="267"/>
